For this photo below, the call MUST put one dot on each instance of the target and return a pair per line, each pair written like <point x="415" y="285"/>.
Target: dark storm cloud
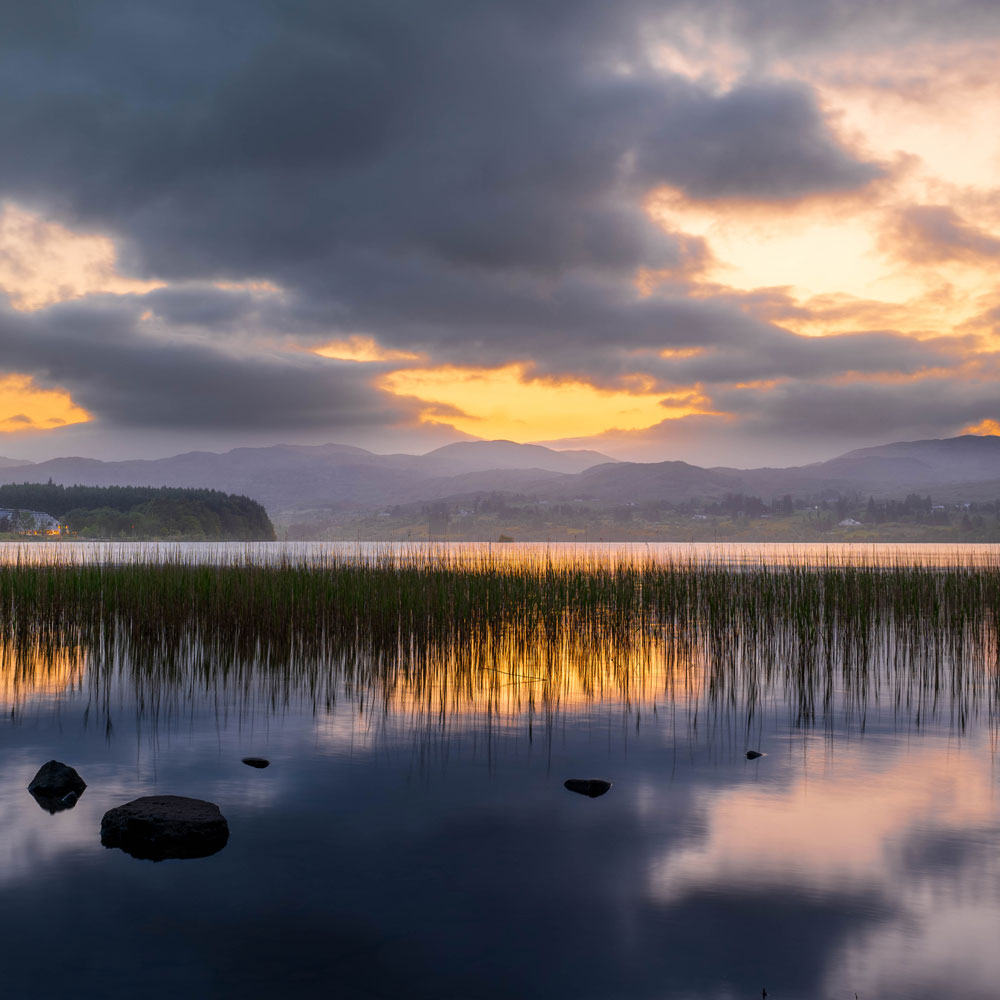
<point x="100" y="352"/>
<point x="463" y="179"/>
<point x="272" y="140"/>
<point x="760" y="142"/>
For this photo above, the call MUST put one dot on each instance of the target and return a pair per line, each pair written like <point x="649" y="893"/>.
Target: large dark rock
<point x="56" y="786"/>
<point x="157" y="827"/>
<point x="257" y="761"/>
<point x="588" y="786"/>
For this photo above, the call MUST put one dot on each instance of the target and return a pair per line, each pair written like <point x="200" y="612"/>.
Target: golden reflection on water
<point x="581" y="555"/>
<point x="507" y="677"/>
<point x="38" y="671"/>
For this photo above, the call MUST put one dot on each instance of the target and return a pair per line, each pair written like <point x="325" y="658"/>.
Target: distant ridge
<point x="12" y="463"/>
<point x="289" y="479"/>
<point x="485" y="455"/>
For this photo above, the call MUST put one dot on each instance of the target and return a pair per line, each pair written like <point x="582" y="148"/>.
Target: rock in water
<point x="754" y="754"/>
<point x="56" y="786"/>
<point x="588" y="786"/>
<point x="257" y="761"/>
<point x="157" y="827"/>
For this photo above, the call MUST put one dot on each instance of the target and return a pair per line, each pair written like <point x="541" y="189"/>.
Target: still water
<point x="728" y="553"/>
<point x="412" y="836"/>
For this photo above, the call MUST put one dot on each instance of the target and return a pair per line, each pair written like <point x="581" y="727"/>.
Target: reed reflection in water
<point x="508" y="641"/>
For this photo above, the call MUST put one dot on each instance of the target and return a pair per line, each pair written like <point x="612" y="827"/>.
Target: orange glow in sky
<point x="24" y="406"/>
<point x="361" y="349"/>
<point x="984" y="427"/>
<point x="502" y="403"/>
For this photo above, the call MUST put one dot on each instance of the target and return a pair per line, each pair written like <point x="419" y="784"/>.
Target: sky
<point x="733" y="232"/>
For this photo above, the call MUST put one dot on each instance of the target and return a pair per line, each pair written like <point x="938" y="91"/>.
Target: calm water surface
<point x="415" y="839"/>
<point x="730" y="553"/>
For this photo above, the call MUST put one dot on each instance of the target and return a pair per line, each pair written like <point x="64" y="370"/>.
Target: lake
<point x="729" y="553"/>
<point x="412" y="836"/>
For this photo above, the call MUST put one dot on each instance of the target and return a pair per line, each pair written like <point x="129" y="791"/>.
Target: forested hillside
<point x="144" y="512"/>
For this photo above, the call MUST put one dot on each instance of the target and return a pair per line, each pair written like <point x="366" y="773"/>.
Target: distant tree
<point x="438" y="517"/>
<point x="141" y="512"/>
<point x="21" y="520"/>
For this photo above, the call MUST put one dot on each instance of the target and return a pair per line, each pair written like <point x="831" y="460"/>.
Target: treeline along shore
<point x="143" y="513"/>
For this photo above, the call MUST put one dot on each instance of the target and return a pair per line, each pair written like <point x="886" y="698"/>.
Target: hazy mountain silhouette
<point x="10" y="463"/>
<point x="293" y="478"/>
<point x="970" y="463"/>
<point x="482" y="456"/>
<point x="289" y="477"/>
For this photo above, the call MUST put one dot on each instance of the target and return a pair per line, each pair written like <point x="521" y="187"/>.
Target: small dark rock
<point x="157" y="827"/>
<point x="754" y="754"/>
<point x="257" y="761"/>
<point x="54" y="784"/>
<point x="588" y="786"/>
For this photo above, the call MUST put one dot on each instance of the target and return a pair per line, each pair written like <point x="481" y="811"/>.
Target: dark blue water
<point x="390" y="851"/>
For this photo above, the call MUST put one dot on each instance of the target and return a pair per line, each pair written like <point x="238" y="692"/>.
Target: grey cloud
<point x="775" y="353"/>
<point x="932" y="406"/>
<point x="772" y="29"/>
<point x="481" y="135"/>
<point x="934" y="234"/>
<point x="129" y="378"/>
<point x="759" y="142"/>
<point x="595" y="330"/>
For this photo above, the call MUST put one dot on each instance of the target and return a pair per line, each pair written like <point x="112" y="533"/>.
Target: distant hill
<point x="966" y="467"/>
<point x="483" y="456"/>
<point x="672" y="481"/>
<point x="291" y="479"/>
<point x="970" y="458"/>
<point x="11" y="463"/>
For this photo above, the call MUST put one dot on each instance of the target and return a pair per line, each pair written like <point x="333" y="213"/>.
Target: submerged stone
<point x="587" y="786"/>
<point x="257" y="761"/>
<point x="754" y="754"/>
<point x="157" y="827"/>
<point x="56" y="786"/>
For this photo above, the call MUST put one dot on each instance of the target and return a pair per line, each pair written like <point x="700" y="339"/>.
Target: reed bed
<point x="512" y="631"/>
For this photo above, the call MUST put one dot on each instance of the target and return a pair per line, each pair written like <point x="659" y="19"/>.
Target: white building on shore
<point x="40" y="524"/>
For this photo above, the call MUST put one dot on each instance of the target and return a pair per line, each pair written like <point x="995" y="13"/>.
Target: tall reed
<point x="525" y="630"/>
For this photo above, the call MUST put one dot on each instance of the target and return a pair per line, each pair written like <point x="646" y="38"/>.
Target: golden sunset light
<point x="505" y="403"/>
<point x="39" y="672"/>
<point x="24" y="406"/>
<point x="361" y="349"/>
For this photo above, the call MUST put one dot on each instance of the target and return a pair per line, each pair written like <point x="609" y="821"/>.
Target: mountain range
<point x="291" y="479"/>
